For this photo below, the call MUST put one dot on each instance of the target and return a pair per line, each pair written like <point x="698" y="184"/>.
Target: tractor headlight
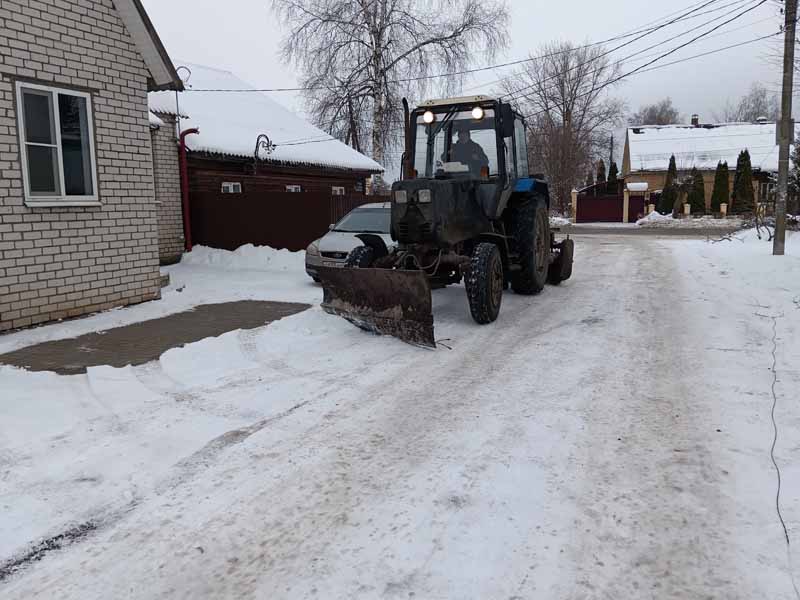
<point x="424" y="196"/>
<point x="477" y="113"/>
<point x="400" y="197"/>
<point x="428" y="117"/>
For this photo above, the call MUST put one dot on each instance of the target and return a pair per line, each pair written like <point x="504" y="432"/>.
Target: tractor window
<point x="511" y="168"/>
<point x="522" y="148"/>
<point x="458" y="145"/>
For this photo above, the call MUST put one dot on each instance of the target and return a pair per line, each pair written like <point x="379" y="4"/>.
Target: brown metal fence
<point x="277" y="219"/>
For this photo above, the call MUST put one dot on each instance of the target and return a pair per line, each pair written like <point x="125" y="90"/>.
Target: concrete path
<point x="142" y="342"/>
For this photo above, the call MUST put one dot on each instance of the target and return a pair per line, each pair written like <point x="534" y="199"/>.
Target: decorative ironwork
<point x="263" y="143"/>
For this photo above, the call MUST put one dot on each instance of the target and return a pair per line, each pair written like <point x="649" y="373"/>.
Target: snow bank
<point x="247" y="257"/>
<point x="559" y="222"/>
<point x="655" y="219"/>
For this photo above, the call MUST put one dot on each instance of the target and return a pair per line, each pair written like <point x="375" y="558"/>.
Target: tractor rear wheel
<point x="561" y="268"/>
<point x="359" y="257"/>
<point x="531" y="229"/>
<point x="484" y="283"/>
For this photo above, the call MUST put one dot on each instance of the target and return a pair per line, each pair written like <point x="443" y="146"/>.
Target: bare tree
<point x="569" y="111"/>
<point x="359" y="57"/>
<point x="755" y="104"/>
<point x="658" y="113"/>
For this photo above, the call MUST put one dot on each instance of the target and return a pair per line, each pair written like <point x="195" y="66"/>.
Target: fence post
<point x="574" y="206"/>
<point x="626" y="199"/>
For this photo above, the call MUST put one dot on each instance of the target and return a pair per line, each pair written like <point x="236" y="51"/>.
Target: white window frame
<point x="338" y="190"/>
<point x="235" y="187"/>
<point x="294" y="188"/>
<point x="34" y="200"/>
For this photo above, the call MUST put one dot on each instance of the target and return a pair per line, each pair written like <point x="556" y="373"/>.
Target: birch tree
<point x="358" y="58"/>
<point x="570" y="113"/>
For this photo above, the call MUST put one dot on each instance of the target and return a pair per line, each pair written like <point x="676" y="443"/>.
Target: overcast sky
<point x="244" y="36"/>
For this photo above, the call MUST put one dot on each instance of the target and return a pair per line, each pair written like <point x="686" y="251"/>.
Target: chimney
<point x="695" y="120"/>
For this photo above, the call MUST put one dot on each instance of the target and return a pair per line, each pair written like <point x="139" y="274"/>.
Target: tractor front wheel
<point x="484" y="283"/>
<point x="532" y="238"/>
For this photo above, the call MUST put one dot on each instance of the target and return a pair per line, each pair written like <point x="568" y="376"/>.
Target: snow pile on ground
<point x="654" y="219"/>
<point x="258" y="258"/>
<point x="559" y="222"/>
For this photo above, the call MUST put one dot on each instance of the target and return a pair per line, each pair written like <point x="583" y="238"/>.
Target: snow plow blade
<point x="384" y="301"/>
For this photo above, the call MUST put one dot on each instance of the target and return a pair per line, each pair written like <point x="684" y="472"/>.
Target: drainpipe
<point x="187" y="225"/>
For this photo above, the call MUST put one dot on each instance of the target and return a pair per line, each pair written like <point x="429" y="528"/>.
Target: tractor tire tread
<point x="529" y="280"/>
<point x="482" y="305"/>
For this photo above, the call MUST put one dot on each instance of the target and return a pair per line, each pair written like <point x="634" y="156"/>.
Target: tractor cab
<point x="463" y="159"/>
<point x="473" y="137"/>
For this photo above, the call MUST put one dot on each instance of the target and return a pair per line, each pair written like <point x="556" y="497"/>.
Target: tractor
<point x="466" y="208"/>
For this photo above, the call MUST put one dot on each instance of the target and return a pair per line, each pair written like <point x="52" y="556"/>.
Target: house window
<point x="294" y="188"/>
<point x="766" y="192"/>
<point x="57" y="146"/>
<point x="337" y="190"/>
<point x="231" y="187"/>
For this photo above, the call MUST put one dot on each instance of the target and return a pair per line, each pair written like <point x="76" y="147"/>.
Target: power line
<point x="665" y="54"/>
<point x="661" y="66"/>
<point x="514" y="94"/>
<point x="727" y="32"/>
<point x="687" y="15"/>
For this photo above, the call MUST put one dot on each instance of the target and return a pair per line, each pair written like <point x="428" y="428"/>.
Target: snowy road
<point x="606" y="439"/>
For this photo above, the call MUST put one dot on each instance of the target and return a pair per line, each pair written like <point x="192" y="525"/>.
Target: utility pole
<point x="611" y="152"/>
<point x="786" y="130"/>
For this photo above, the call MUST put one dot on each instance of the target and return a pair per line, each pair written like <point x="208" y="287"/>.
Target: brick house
<point x="166" y="177"/>
<point x="290" y="188"/>
<point x="648" y="150"/>
<point x="78" y="228"/>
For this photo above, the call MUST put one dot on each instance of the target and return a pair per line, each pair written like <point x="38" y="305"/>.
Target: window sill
<point x="60" y="203"/>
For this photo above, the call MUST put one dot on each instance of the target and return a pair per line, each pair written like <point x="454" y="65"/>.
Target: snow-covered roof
<point x="637" y="186"/>
<point x="155" y="122"/>
<point x="702" y="147"/>
<point x="230" y="122"/>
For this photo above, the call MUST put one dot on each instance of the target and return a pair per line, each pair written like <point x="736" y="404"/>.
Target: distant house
<point x="78" y="229"/>
<point x="226" y="170"/>
<point x="648" y="150"/>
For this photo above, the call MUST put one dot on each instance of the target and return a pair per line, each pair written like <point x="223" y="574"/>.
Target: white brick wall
<point x="166" y="171"/>
<point x="64" y="262"/>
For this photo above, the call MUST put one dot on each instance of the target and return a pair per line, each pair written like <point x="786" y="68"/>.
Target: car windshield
<point x="456" y="143"/>
<point x="365" y="220"/>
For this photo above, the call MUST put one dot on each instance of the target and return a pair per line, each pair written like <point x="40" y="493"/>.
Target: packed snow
<point x="229" y="123"/>
<point x="621" y="450"/>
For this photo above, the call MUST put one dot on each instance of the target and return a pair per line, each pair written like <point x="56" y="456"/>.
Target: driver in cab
<point x="467" y="152"/>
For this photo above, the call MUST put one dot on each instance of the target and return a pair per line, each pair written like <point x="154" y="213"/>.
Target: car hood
<point x="339" y="241"/>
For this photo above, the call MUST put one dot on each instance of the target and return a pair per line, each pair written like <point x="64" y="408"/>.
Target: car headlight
<point x="424" y="196"/>
<point x="400" y="197"/>
<point x="313" y="248"/>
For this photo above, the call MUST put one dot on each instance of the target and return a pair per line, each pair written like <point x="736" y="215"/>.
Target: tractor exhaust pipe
<point x="408" y="162"/>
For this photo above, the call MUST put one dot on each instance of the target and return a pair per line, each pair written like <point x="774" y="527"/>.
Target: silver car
<point x="332" y="248"/>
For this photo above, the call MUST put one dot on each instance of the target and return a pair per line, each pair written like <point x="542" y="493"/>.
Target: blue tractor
<point x="466" y="208"/>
